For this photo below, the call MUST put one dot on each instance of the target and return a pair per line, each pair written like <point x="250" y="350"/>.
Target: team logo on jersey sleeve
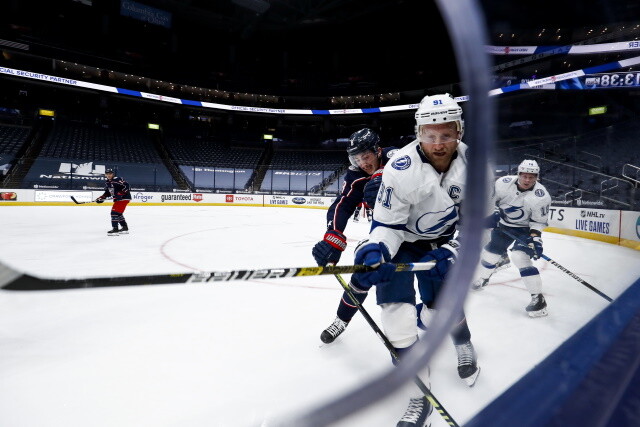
<point x="391" y="153"/>
<point x="401" y="163"/>
<point x="506" y="179"/>
<point x="539" y="193"/>
<point x="454" y="192"/>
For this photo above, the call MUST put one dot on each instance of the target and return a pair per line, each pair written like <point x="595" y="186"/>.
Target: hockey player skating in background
<point x="117" y="189"/>
<point x="360" y="184"/>
<point x="414" y="220"/>
<point x="368" y="212"/>
<point x="356" y="213"/>
<point x="522" y="207"/>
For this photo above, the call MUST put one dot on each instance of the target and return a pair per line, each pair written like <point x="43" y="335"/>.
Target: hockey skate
<point x="124" y="230"/>
<point x="537" y="307"/>
<point x="417" y="413"/>
<point x="113" y="232"/>
<point x="503" y="263"/>
<point x="333" y="331"/>
<point x="468" y="369"/>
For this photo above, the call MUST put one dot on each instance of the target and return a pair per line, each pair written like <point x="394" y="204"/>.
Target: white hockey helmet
<point x="529" y="166"/>
<point x="437" y="109"/>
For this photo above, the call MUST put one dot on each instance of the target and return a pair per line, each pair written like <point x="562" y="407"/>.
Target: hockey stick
<point x="560" y="267"/>
<point x="80" y="203"/>
<point x="421" y="385"/>
<point x="13" y="280"/>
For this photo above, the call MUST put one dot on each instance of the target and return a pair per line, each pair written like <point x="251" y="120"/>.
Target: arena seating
<point x="12" y="138"/>
<point x="76" y="154"/>
<point x="208" y="164"/>
<point x="302" y="171"/>
<point x="93" y="142"/>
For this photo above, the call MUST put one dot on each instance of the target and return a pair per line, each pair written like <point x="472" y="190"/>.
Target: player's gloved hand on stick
<point x="492" y="220"/>
<point x="371" y="188"/>
<point x="329" y="249"/>
<point x="535" y="246"/>
<point x="99" y="200"/>
<point x="374" y="255"/>
<point x="444" y="257"/>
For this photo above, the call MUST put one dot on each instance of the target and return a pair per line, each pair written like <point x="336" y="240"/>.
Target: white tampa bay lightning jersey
<point x="522" y="208"/>
<point x="415" y="202"/>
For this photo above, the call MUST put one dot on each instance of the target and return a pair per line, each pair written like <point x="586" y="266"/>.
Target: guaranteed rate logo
<point x="175" y="197"/>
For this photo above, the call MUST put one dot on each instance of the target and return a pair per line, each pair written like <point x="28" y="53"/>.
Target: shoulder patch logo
<point x="539" y="193"/>
<point x="454" y="192"/>
<point x="391" y="153"/>
<point x="506" y="179"/>
<point x="401" y="163"/>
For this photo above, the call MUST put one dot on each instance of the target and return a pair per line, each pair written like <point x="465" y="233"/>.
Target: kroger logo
<point x="142" y="197"/>
<point x="299" y="200"/>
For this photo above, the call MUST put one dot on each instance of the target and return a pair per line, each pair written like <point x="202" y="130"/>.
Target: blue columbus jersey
<point x="117" y="188"/>
<point x="352" y="193"/>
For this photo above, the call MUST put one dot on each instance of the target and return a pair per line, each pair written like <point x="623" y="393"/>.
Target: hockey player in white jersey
<point x="522" y="207"/>
<point x="414" y="220"/>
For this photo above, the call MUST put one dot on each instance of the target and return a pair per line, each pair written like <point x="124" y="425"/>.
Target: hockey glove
<point x="371" y="188"/>
<point x="492" y="220"/>
<point x="535" y="247"/>
<point x="444" y="257"/>
<point x="99" y="200"/>
<point x="374" y="255"/>
<point x="329" y="249"/>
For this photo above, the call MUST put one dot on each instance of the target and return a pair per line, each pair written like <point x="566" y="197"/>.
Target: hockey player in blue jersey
<point x="522" y="207"/>
<point x="117" y="189"/>
<point x="360" y="185"/>
<point x="414" y="220"/>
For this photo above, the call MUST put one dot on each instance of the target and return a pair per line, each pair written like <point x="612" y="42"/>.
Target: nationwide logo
<point x="84" y="169"/>
<point x="228" y="198"/>
<point x="197" y="197"/>
<point x="581" y="202"/>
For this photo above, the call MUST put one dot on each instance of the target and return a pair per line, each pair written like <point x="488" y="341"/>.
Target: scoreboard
<point x="612" y="80"/>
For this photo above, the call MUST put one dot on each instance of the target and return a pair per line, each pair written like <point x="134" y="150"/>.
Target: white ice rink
<point x="241" y="353"/>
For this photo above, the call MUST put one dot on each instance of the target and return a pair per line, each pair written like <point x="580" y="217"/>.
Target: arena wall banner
<point x="314" y="202"/>
<point x="630" y="229"/>
<point x="62" y="196"/>
<point x="610" y="226"/>
<point x="595" y="224"/>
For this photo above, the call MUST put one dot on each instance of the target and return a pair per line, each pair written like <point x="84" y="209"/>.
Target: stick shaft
<point x="561" y="268"/>
<point x="421" y="385"/>
<point x="27" y="282"/>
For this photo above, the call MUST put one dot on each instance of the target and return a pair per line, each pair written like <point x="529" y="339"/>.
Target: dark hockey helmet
<point x="362" y="141"/>
<point x="109" y="171"/>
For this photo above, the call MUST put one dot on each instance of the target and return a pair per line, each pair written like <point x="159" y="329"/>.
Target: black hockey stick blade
<point x="80" y="203"/>
<point x="13" y="280"/>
